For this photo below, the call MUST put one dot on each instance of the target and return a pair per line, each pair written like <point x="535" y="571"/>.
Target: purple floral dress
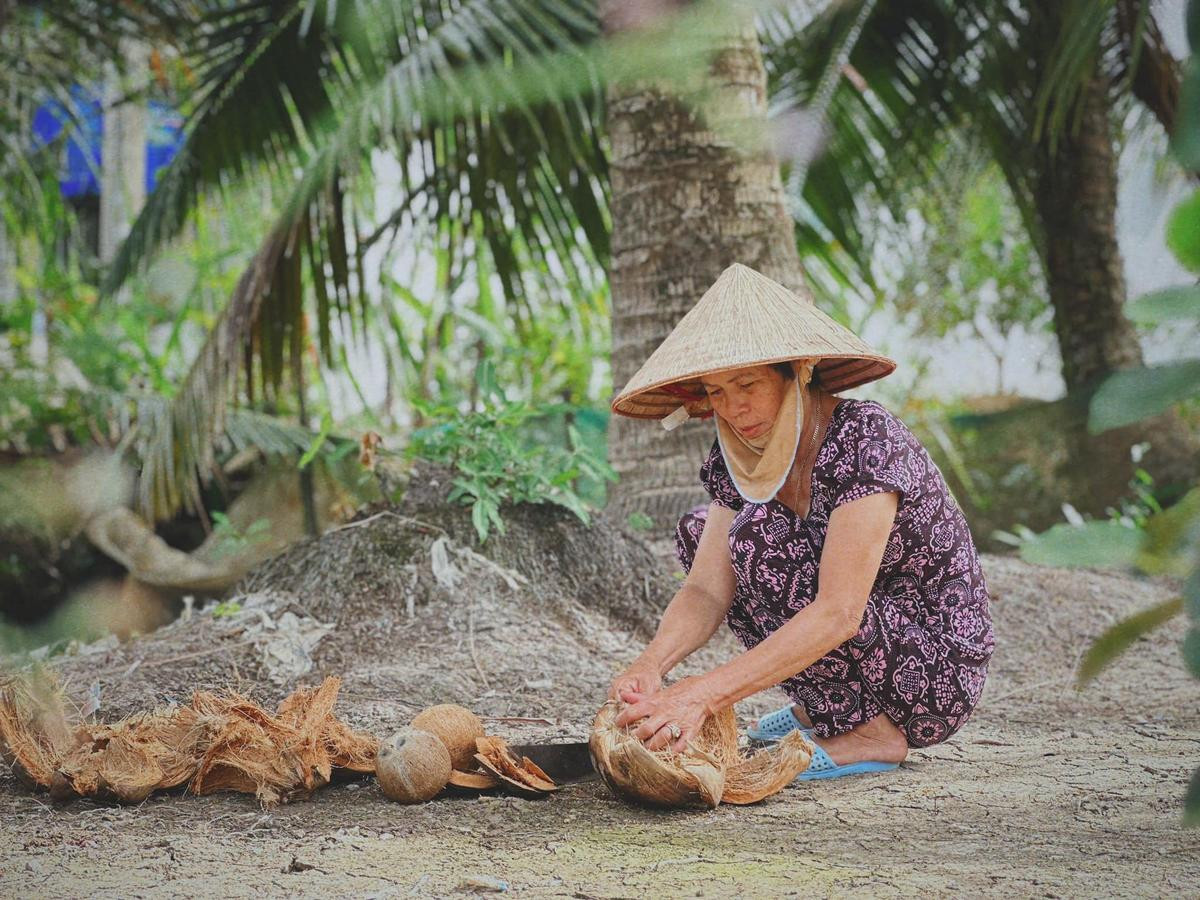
<point x="922" y="651"/>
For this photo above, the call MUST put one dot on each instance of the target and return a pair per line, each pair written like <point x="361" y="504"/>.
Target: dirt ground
<point x="1046" y="792"/>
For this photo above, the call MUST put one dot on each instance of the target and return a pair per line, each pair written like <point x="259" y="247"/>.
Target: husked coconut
<point x="710" y="770"/>
<point x="458" y="728"/>
<point x="412" y="766"/>
<point x="768" y="771"/>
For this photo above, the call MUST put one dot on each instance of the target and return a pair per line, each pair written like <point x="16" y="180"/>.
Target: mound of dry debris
<point x="406" y="605"/>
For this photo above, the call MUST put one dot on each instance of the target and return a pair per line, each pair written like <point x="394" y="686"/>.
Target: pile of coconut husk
<point x="710" y="771"/>
<point x="217" y="742"/>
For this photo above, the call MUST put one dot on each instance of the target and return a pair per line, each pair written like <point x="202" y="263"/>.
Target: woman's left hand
<point x="685" y="704"/>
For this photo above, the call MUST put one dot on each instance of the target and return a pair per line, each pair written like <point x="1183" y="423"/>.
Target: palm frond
<point x="1004" y="75"/>
<point x="879" y="138"/>
<point x="1069" y="62"/>
<point x="273" y="78"/>
<point x="253" y="62"/>
<point x="493" y="110"/>
<point x="1146" y="67"/>
<point x="177" y="439"/>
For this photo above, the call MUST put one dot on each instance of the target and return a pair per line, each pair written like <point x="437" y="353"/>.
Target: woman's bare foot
<point x="878" y="740"/>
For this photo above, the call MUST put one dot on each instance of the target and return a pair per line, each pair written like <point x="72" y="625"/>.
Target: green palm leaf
<point x="938" y="71"/>
<point x="500" y="130"/>
<point x="275" y="77"/>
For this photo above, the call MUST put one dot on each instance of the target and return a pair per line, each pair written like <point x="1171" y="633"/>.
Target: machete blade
<point x="562" y="762"/>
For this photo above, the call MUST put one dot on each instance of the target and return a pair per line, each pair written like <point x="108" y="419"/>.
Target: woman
<point x="832" y="547"/>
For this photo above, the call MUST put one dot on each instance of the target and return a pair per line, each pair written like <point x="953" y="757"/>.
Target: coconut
<point x="661" y="778"/>
<point x="412" y="766"/>
<point x="710" y="770"/>
<point x="458" y="728"/>
<point x="755" y="777"/>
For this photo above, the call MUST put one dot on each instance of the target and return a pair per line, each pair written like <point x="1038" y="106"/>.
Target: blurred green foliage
<point x="67" y="628"/>
<point x="72" y="367"/>
<point x="1167" y="542"/>
<point x="553" y="347"/>
<point x="968" y="265"/>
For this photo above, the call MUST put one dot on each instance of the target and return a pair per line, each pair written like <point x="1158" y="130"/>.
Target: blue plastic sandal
<point x="822" y="766"/>
<point x="774" y="726"/>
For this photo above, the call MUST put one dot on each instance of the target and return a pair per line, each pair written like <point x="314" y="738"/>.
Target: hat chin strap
<point x="759" y="466"/>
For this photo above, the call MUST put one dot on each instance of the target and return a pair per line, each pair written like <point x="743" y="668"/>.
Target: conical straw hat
<point x="745" y="319"/>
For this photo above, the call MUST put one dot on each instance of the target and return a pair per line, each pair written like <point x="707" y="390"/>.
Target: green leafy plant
<point x="639" y="521"/>
<point x="1164" y="542"/>
<point x="226" y="608"/>
<point x="502" y="454"/>
<point x="231" y="540"/>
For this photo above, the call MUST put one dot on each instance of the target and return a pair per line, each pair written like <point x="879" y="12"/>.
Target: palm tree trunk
<point x="685" y="204"/>
<point x="1076" y="196"/>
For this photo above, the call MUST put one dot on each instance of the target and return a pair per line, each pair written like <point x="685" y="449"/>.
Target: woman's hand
<point x="640" y="680"/>
<point x="685" y="704"/>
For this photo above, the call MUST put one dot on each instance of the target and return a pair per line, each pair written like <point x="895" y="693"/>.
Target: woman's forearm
<point x="687" y="623"/>
<point x="809" y="635"/>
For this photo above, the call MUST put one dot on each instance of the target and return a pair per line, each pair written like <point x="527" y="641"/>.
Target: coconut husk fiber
<point x="34" y="734"/>
<point x="712" y="770"/>
<point x="218" y="742"/>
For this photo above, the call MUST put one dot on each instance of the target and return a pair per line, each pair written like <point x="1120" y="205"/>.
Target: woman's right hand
<point x="640" y="680"/>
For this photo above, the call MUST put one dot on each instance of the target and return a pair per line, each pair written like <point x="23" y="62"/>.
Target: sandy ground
<point x="1047" y="792"/>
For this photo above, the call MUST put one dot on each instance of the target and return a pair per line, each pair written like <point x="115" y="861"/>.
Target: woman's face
<point x="748" y="399"/>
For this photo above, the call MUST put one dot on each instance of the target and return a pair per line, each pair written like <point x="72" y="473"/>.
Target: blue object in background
<point x="80" y="172"/>
<point x="164" y="137"/>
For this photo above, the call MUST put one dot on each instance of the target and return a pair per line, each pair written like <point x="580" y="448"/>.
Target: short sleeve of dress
<point x="714" y="475"/>
<point x="876" y="455"/>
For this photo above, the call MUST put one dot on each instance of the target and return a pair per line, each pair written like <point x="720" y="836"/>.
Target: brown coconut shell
<point x="695" y="778"/>
<point x="473" y="781"/>
<point x="413" y="766"/>
<point x="537" y="772"/>
<point x="709" y="771"/>
<point x="768" y="771"/>
<point x="127" y="772"/>
<point x="277" y="757"/>
<point x="34" y="732"/>
<point x="508" y="782"/>
<point x="495" y="756"/>
<point x="458" y="728"/>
